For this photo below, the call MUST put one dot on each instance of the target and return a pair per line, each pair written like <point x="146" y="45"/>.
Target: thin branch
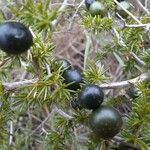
<point x="61" y="9"/>
<point x="14" y="85"/>
<point x="119" y="38"/>
<point x="63" y="6"/>
<point x="48" y="69"/>
<point x="130" y="14"/>
<point x="87" y="48"/>
<point x="147" y="25"/>
<point x="62" y="113"/>
<point x="115" y="33"/>
<point x="33" y="34"/>
<point x="138" y="60"/>
<point x="42" y="123"/>
<point x="76" y="12"/>
<point x="4" y="61"/>
<point x="142" y="7"/>
<point x="126" y="83"/>
<point x="11" y="132"/>
<point x="146" y="3"/>
<point x="120" y="84"/>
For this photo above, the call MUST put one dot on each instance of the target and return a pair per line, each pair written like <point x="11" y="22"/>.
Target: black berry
<point x="91" y="97"/>
<point x="88" y="3"/>
<point x="72" y="77"/>
<point x="106" y="122"/>
<point x="120" y="0"/>
<point x="64" y="64"/>
<point x="15" y="38"/>
<point x="133" y="92"/>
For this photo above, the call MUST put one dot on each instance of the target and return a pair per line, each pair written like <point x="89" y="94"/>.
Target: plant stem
<point x="130" y="14"/>
<point x="105" y="86"/>
<point x="142" y="7"/>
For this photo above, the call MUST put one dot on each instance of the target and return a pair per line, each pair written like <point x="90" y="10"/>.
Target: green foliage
<point x="61" y="136"/>
<point x="37" y="14"/>
<point x="41" y="92"/>
<point x="42" y="49"/>
<point x="137" y="129"/>
<point x="116" y="101"/>
<point x="133" y="38"/>
<point x="80" y="116"/>
<point x="6" y="114"/>
<point x="146" y="58"/>
<point x="145" y="19"/>
<point x="110" y="5"/>
<point x="94" y="142"/>
<point x="97" y="24"/>
<point x="95" y="73"/>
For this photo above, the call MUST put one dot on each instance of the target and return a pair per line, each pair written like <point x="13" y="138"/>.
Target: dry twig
<point x="113" y="85"/>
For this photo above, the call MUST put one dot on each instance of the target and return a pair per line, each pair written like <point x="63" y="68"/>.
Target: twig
<point x="11" y="133"/>
<point x="42" y="124"/>
<point x="61" y="9"/>
<point x="142" y="7"/>
<point x="147" y="25"/>
<point x="120" y="84"/>
<point x="87" y="48"/>
<point x="33" y="34"/>
<point x="138" y="60"/>
<point x="48" y="69"/>
<point x="49" y="73"/>
<point x="4" y="61"/>
<point x="126" y="83"/>
<point x="120" y="41"/>
<point x="60" y="4"/>
<point x="63" y="6"/>
<point x="115" y="33"/>
<point x="146" y="3"/>
<point x="62" y="113"/>
<point x="44" y="131"/>
<point x="130" y="14"/>
<point x="14" y="85"/>
<point x="72" y="20"/>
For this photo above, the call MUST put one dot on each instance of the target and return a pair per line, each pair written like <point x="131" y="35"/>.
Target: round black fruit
<point x="88" y="3"/>
<point x="106" y="122"/>
<point x="97" y="8"/>
<point x="120" y="0"/>
<point x="15" y="38"/>
<point x="72" y="77"/>
<point x="64" y="64"/>
<point x="133" y="92"/>
<point x="91" y="97"/>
